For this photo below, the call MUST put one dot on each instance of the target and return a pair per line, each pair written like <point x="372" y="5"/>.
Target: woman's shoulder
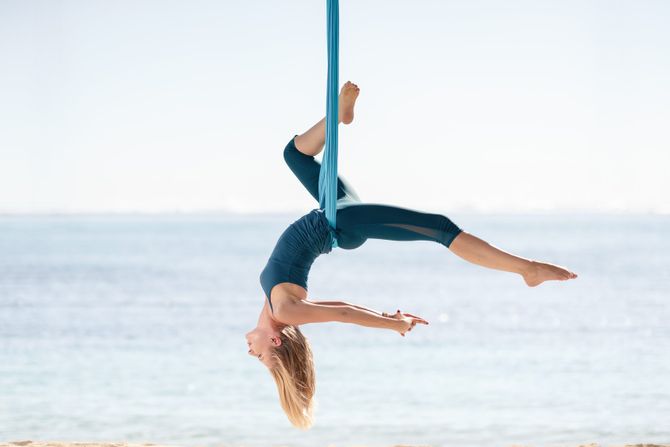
<point x="287" y="292"/>
<point x="284" y="290"/>
<point x="286" y="295"/>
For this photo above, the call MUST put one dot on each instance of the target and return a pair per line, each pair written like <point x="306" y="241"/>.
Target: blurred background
<point x="142" y="188"/>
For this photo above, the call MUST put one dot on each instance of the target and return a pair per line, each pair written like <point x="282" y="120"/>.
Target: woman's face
<point x="260" y="343"/>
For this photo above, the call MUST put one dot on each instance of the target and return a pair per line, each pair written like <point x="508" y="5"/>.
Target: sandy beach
<point x="123" y="444"/>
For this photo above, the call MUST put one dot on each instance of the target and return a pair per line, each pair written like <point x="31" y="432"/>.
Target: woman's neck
<point x="267" y="321"/>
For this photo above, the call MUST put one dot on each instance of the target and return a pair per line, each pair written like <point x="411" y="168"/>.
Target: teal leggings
<point x="357" y="221"/>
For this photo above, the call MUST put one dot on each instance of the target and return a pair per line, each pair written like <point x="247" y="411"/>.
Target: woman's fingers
<point x="419" y="319"/>
<point x="410" y="319"/>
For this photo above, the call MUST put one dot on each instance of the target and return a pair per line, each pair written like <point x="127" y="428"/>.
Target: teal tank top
<point x="296" y="249"/>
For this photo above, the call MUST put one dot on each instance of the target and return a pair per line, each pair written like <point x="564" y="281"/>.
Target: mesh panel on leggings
<point x="430" y="232"/>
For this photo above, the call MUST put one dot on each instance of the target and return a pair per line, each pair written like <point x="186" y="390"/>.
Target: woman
<point x="277" y="341"/>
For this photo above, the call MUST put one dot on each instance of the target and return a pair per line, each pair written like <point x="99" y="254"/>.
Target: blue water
<point x="132" y="328"/>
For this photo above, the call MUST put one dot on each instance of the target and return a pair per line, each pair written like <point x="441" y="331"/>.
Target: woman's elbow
<point x="345" y="314"/>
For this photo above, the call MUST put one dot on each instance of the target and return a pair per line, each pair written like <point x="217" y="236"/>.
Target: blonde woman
<point x="277" y="340"/>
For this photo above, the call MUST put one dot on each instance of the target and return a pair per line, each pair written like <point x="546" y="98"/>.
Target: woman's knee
<point x="449" y="230"/>
<point x="290" y="151"/>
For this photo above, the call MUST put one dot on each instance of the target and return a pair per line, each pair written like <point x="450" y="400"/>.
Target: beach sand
<point x="123" y="444"/>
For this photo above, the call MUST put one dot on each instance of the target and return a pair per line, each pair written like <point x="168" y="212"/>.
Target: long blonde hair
<point x="294" y="375"/>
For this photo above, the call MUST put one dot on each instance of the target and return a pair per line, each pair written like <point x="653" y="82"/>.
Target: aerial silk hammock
<point x="328" y="172"/>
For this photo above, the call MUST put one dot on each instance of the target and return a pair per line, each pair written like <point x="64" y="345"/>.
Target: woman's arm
<point x="344" y="303"/>
<point x="303" y="312"/>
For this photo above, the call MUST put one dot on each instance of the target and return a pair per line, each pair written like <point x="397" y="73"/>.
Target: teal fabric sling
<point x="328" y="173"/>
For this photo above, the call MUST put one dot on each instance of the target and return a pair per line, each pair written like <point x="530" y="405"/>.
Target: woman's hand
<point x="405" y="321"/>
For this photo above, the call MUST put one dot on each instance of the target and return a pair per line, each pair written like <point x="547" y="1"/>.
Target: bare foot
<point x="540" y="272"/>
<point x="347" y="99"/>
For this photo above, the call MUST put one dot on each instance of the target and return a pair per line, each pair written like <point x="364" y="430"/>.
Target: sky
<point x="465" y="106"/>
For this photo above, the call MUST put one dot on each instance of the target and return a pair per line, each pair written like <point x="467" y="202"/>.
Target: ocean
<point x="131" y="328"/>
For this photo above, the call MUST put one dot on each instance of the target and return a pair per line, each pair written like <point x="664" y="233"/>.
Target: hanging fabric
<point x="328" y="173"/>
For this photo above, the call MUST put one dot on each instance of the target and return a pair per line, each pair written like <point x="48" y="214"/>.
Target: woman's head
<point x="290" y="361"/>
<point x="261" y="341"/>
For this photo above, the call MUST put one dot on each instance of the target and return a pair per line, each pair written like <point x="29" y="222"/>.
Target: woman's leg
<point x="480" y="252"/>
<point x="300" y="151"/>
<point x="311" y="142"/>
<point x="357" y="222"/>
<point x="360" y="221"/>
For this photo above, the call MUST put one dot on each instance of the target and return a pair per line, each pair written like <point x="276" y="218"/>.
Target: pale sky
<point x="474" y="105"/>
